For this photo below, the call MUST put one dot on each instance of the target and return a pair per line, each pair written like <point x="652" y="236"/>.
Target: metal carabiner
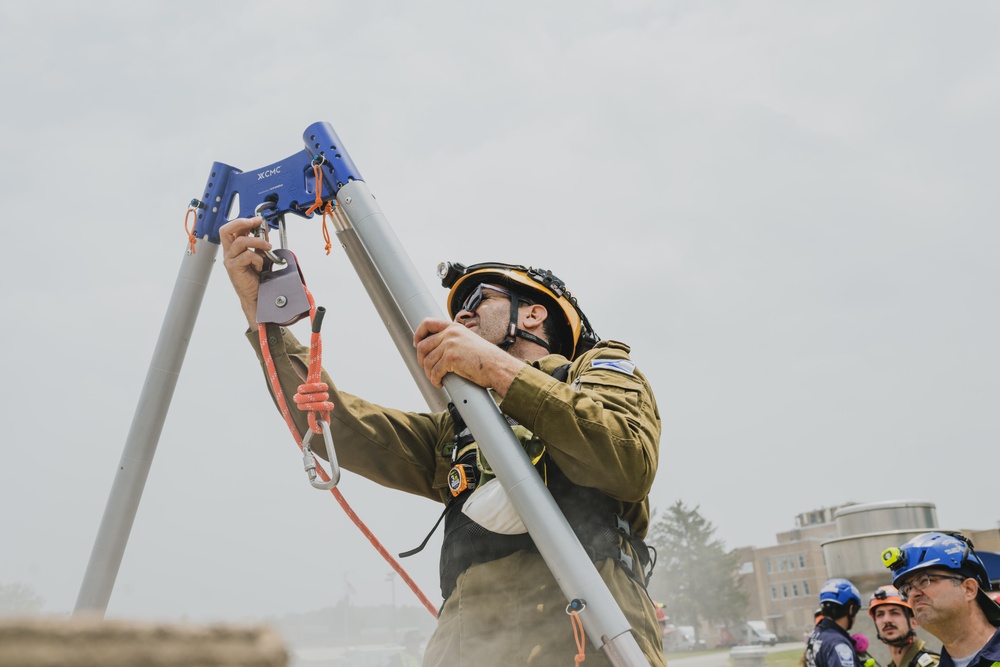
<point x="261" y="231"/>
<point x="309" y="459"/>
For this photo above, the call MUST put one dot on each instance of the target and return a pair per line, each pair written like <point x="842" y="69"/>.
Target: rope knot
<point x="314" y="398"/>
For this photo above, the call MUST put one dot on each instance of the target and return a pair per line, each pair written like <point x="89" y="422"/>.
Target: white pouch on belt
<point x="490" y="507"/>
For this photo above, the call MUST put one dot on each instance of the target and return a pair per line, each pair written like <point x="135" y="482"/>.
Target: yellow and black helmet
<point x="528" y="285"/>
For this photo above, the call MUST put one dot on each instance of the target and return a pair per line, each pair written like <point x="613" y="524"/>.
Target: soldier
<point x="830" y="645"/>
<point x="893" y="618"/>
<point x="945" y="582"/>
<point x="584" y="413"/>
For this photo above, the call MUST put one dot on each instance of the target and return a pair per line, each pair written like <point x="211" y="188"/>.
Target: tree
<point x="696" y="578"/>
<point x="18" y="599"/>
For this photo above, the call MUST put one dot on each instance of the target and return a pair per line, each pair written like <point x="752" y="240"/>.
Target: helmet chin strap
<point x="513" y="333"/>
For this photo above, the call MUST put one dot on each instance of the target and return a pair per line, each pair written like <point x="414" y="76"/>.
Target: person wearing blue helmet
<point x="945" y="582"/>
<point x="830" y="644"/>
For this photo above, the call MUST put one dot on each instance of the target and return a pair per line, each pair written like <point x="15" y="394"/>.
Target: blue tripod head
<point x="286" y="186"/>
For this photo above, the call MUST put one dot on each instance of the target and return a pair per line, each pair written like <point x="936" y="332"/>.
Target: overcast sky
<point x="783" y="207"/>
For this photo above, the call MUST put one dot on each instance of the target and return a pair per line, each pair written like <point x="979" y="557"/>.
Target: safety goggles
<point x="475" y="298"/>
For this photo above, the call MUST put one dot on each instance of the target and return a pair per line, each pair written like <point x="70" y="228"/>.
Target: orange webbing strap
<point x="580" y="637"/>
<point x="314" y="399"/>
<point x="190" y="231"/>
<point x="328" y="209"/>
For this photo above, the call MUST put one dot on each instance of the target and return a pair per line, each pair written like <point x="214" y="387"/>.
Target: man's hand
<point x="448" y="347"/>
<point x="243" y="264"/>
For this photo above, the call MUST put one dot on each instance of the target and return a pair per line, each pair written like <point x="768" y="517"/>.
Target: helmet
<point x="886" y="595"/>
<point x="526" y="285"/>
<point x="946" y="551"/>
<point x="889" y="595"/>
<point x="840" y="591"/>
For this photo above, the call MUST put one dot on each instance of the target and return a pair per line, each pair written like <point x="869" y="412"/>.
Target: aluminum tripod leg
<point x="395" y="324"/>
<point x="570" y="565"/>
<point x="147" y="423"/>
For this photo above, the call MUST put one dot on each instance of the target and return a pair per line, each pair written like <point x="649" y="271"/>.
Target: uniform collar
<point x="992" y="649"/>
<point x="988" y="653"/>
<point x="830" y="624"/>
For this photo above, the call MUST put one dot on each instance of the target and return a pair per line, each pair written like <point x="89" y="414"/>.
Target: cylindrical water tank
<point x="886" y="516"/>
<point x="865" y="531"/>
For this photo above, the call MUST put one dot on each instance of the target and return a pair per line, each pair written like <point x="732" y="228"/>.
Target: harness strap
<point x="592" y="515"/>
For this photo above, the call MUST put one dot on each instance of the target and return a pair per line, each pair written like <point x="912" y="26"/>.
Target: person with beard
<point x="830" y="644"/>
<point x="581" y="409"/>
<point x="894" y="623"/>
<point x="946" y="584"/>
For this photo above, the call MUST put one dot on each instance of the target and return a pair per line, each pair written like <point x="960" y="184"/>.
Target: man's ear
<point x="971" y="587"/>
<point x="533" y="316"/>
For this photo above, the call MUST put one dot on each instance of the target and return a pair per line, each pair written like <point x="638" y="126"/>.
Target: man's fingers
<point x="233" y="230"/>
<point x="241" y="244"/>
<point x="429" y="327"/>
<point x="244" y="260"/>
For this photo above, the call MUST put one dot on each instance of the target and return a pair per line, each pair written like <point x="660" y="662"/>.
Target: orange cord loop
<point x="328" y="211"/>
<point x="318" y="173"/>
<point x="317" y="166"/>
<point x="192" y="239"/>
<point x="578" y="634"/>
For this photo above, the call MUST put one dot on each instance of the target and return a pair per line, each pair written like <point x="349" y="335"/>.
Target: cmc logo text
<point x="269" y="172"/>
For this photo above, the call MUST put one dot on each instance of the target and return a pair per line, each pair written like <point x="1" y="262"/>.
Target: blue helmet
<point x="840" y="591"/>
<point x="945" y="551"/>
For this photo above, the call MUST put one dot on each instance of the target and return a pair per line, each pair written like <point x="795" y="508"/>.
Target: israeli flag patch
<point x="618" y="365"/>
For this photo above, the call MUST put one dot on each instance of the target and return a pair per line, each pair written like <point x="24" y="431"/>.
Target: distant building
<point x="783" y="581"/>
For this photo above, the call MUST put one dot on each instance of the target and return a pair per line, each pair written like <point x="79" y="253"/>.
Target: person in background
<point x="894" y="627"/>
<point x="946" y="584"/>
<point x="830" y="645"/>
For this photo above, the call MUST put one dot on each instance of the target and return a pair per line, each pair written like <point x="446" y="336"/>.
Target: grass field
<point x="788" y="658"/>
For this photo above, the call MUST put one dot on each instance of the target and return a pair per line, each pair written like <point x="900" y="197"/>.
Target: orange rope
<point x="327" y="210"/>
<point x="580" y="637"/>
<point x="190" y="232"/>
<point x="318" y="173"/>
<point x="314" y="399"/>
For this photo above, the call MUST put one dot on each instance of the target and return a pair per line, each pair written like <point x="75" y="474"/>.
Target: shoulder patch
<point x="619" y="365"/>
<point x="846" y="655"/>
<point x="926" y="660"/>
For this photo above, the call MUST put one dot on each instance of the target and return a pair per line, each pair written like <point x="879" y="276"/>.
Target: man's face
<point x="891" y="621"/>
<point x="490" y="318"/>
<point x="937" y="597"/>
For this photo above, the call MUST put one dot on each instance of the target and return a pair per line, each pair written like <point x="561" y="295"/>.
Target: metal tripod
<point x="397" y="291"/>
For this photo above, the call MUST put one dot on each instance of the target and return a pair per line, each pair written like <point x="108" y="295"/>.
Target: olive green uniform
<point x="926" y="660"/>
<point x="601" y="428"/>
